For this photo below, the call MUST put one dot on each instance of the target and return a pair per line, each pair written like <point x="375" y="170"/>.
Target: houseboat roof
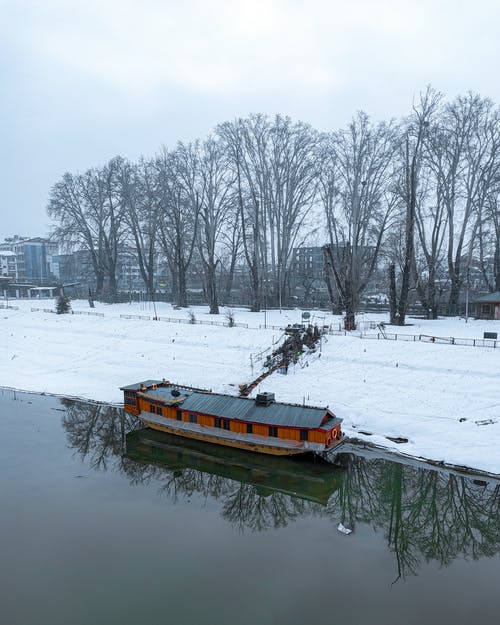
<point x="232" y="407"/>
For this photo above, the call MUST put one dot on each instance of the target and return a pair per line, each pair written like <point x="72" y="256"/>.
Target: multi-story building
<point x="308" y="279"/>
<point x="35" y="259"/>
<point x="7" y="264"/>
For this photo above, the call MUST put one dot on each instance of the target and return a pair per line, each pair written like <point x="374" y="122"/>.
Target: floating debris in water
<point x="343" y="529"/>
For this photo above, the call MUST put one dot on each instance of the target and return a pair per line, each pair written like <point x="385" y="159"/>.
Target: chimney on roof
<point x="264" y="399"/>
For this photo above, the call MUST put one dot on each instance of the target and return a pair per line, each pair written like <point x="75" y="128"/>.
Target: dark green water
<point x="98" y="525"/>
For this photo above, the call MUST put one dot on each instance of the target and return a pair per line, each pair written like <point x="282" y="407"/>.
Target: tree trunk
<point x="454" y="295"/>
<point x="230" y="280"/>
<point x="392" y="294"/>
<point x="496" y="265"/>
<point x="182" y="299"/>
<point x="255" y="287"/>
<point x="211" y="285"/>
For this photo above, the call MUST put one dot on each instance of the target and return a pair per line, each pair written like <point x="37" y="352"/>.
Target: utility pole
<point x="467" y="296"/>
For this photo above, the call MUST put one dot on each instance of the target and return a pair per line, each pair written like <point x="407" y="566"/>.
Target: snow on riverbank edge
<point x="444" y="399"/>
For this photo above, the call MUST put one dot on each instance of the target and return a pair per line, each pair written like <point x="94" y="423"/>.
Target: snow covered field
<point x="445" y="399"/>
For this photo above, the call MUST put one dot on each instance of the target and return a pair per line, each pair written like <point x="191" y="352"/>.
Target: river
<point x="101" y="522"/>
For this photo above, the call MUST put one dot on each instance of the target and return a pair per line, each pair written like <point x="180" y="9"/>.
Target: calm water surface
<point x="101" y="523"/>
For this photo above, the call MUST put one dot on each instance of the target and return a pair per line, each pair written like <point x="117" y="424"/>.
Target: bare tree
<point x="293" y="168"/>
<point x="179" y="220"/>
<point x="142" y="214"/>
<point x="231" y="249"/>
<point x="208" y="184"/>
<point x="245" y="142"/>
<point x="88" y="212"/>
<point x="410" y="159"/>
<point x="431" y="220"/>
<point x="471" y="160"/>
<point x="275" y="173"/>
<point x="489" y="241"/>
<point x="357" y="167"/>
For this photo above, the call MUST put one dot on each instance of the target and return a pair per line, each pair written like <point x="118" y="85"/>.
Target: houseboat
<point x="261" y="424"/>
<point x="297" y="477"/>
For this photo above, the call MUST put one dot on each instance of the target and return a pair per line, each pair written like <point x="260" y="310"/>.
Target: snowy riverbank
<point x="444" y="399"/>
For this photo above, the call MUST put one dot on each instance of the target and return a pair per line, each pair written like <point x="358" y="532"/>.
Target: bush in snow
<point x="62" y="305"/>
<point x="192" y="317"/>
<point x="229" y="313"/>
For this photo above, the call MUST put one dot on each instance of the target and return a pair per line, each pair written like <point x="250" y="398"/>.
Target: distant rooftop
<point x="489" y="297"/>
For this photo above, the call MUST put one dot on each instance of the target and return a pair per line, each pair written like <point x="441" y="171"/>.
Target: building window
<point x="217" y="422"/>
<point x="179" y="415"/>
<point x="304" y="435"/>
<point x="159" y="411"/>
<point x="249" y="428"/>
<point x="273" y="431"/>
<point x="225" y="424"/>
<point x="152" y="408"/>
<point x="193" y="418"/>
<point x="130" y="401"/>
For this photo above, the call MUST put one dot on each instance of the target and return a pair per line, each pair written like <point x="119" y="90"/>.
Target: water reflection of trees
<point x="96" y="431"/>
<point x="424" y="514"/>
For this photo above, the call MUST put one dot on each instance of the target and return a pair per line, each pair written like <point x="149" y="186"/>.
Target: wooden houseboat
<point x="297" y="477"/>
<point x="261" y="424"/>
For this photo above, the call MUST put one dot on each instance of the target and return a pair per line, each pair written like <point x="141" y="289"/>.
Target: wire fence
<point x="424" y="338"/>
<point x="225" y="324"/>
<point x="386" y="336"/>
<point x="86" y="312"/>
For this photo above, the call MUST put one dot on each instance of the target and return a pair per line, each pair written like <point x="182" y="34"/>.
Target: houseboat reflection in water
<point x="302" y="478"/>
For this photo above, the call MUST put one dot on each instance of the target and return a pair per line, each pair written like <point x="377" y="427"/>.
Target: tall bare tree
<point x="179" y="217"/>
<point x="89" y="215"/>
<point x="142" y="214"/>
<point x="357" y="168"/>
<point x="208" y="185"/>
<point x="410" y="158"/>
<point x="471" y="130"/>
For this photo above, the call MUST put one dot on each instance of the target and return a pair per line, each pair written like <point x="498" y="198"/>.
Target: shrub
<point x="229" y="313"/>
<point x="62" y="305"/>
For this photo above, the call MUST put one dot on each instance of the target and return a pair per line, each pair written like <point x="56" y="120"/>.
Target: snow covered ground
<point x="445" y="399"/>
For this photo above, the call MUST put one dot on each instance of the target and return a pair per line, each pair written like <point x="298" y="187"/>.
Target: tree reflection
<point x="96" y="431"/>
<point x="425" y="515"/>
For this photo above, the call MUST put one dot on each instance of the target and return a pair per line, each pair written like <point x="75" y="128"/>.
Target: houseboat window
<point x="225" y="424"/>
<point x="304" y="435"/>
<point x="273" y="431"/>
<point x="179" y="415"/>
<point x="249" y="428"/>
<point x="193" y="418"/>
<point x="217" y="422"/>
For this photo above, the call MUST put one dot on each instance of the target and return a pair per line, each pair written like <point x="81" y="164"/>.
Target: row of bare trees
<point x="419" y="195"/>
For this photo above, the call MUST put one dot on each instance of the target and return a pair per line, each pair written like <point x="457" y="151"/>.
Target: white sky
<point x="84" y="80"/>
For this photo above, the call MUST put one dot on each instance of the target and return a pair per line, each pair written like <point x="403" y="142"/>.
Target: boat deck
<point x="280" y="445"/>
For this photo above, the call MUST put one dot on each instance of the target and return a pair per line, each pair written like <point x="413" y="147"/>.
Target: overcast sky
<point x="84" y="80"/>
